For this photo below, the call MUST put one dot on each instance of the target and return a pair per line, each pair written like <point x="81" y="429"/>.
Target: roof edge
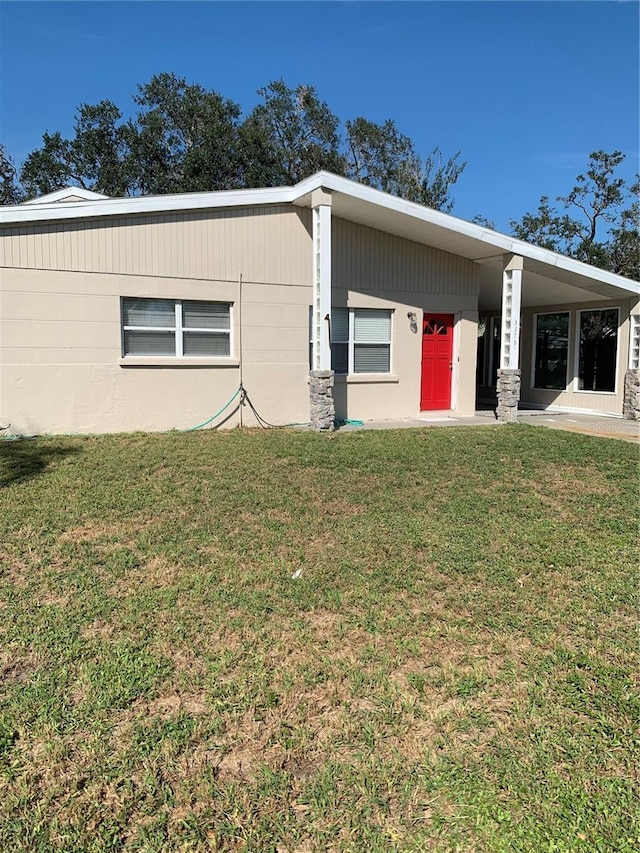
<point x="66" y="192"/>
<point x="507" y="244"/>
<point x="105" y="206"/>
<point x="52" y="211"/>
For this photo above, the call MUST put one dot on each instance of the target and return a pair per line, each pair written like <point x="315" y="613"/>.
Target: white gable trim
<point x="67" y="192"/>
<point x="145" y="204"/>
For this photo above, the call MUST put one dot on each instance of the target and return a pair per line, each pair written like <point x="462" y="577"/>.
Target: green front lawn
<point x="453" y="669"/>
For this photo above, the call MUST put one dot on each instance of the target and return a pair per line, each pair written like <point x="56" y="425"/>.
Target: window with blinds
<point x="176" y="327"/>
<point x="361" y="340"/>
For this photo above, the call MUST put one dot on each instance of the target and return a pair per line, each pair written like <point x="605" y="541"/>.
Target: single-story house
<point x="325" y="299"/>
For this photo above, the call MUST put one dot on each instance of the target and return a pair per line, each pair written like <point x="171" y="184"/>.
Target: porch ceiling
<point x="540" y="289"/>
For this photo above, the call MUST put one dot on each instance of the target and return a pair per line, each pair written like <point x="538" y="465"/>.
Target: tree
<point x="184" y="139"/>
<point x="431" y="182"/>
<point x="96" y="158"/>
<point x="10" y="190"/>
<point x="599" y="228"/>
<point x="625" y="243"/>
<point x="296" y="131"/>
<point x="380" y="156"/>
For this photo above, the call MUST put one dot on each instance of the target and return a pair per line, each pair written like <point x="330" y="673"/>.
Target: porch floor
<point x="605" y="427"/>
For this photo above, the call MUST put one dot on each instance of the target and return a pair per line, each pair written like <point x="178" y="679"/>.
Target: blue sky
<point x="524" y="89"/>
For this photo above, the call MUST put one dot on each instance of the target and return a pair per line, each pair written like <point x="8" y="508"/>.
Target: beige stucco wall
<point x="60" y="335"/>
<point x="62" y="371"/>
<point x="60" y="339"/>
<point x="372" y="269"/>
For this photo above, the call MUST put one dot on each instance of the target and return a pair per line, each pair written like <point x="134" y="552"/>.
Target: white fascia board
<point x="503" y="242"/>
<point x="11" y="214"/>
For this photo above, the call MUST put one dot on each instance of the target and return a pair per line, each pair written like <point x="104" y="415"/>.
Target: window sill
<point x="176" y="361"/>
<point x="366" y="378"/>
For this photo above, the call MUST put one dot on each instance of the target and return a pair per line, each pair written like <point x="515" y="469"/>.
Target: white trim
<point x="634" y="345"/>
<point x="367" y="378"/>
<point x="178" y="329"/>
<point x="321" y="276"/>
<point x="145" y="204"/>
<point x="299" y="194"/>
<point x="459" y="226"/>
<point x="351" y="358"/>
<point x="324" y="282"/>
<point x="576" y="356"/>
<point x="172" y="361"/>
<point x="534" y="335"/>
<point x="510" y="328"/>
<point x="67" y="192"/>
<point x="455" y="357"/>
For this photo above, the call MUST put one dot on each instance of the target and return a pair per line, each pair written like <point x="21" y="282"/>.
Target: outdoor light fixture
<point x="413" y="321"/>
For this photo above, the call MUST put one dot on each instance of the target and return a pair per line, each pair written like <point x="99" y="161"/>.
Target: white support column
<point x="508" y="379"/>
<point x="321" y="286"/>
<point x="631" y="399"/>
<point x="322" y="409"/>
<point x="511" y="301"/>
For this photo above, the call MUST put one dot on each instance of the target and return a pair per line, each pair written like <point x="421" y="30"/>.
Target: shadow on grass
<point x="25" y="458"/>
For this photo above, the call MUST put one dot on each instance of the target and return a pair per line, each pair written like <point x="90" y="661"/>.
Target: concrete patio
<point x="602" y="427"/>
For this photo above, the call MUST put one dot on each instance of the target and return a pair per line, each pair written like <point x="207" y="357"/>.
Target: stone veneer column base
<point x="631" y="403"/>
<point x="323" y="411"/>
<point x="508" y="391"/>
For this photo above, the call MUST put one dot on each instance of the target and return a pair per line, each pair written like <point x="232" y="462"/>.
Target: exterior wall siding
<point x="378" y="261"/>
<point x="61" y="285"/>
<point x="268" y="245"/>
<point x="60" y="334"/>
<point x="372" y="269"/>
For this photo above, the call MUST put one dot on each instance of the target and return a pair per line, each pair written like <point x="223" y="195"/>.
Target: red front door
<point x="437" y="361"/>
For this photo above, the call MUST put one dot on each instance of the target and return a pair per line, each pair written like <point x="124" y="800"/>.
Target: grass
<point x="453" y="670"/>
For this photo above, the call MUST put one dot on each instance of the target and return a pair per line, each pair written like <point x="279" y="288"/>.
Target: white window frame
<point x="576" y="357"/>
<point x="534" y="345"/>
<point x="351" y="343"/>
<point x="178" y="328"/>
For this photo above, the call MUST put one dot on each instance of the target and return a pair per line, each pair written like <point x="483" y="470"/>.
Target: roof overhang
<point x="552" y="278"/>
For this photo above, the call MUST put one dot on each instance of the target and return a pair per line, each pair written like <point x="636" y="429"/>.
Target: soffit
<point x="410" y="228"/>
<point x="540" y="289"/>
